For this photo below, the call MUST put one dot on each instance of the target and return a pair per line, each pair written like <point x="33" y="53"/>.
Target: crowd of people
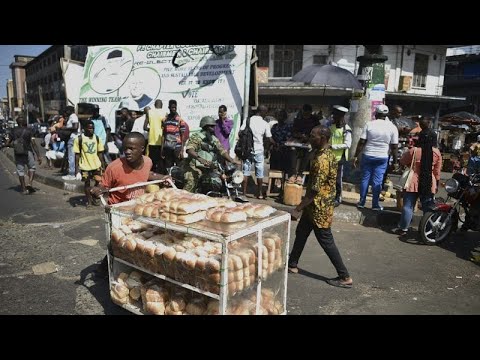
<point x="148" y="145"/>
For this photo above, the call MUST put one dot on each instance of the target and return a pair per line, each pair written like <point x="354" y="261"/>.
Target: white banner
<point x="72" y="78"/>
<point x="199" y="77"/>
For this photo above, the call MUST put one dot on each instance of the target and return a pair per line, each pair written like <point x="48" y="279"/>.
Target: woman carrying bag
<point x="426" y="166"/>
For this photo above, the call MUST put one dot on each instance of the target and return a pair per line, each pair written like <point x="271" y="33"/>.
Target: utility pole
<point x="40" y="95"/>
<point x="25" y="103"/>
<point x="371" y="72"/>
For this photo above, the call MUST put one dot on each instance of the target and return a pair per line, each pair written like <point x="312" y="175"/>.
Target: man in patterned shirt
<point x="318" y="204"/>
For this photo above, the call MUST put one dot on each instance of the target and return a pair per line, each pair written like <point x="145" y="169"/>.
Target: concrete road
<point x="50" y="247"/>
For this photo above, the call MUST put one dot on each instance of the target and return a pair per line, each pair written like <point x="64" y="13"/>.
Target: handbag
<point x="170" y="142"/>
<point x="407" y="175"/>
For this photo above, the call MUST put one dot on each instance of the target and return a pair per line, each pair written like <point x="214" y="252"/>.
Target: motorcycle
<point x="4" y="136"/>
<point x="437" y="224"/>
<point x="221" y="180"/>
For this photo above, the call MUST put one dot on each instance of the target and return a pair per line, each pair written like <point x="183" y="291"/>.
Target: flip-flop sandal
<point x="293" y="270"/>
<point x="31" y="189"/>
<point x="338" y="283"/>
<point x="260" y="197"/>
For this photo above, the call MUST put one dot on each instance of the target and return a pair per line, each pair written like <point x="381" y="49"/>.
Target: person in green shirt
<point x="202" y="149"/>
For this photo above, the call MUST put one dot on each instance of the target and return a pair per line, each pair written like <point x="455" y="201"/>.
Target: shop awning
<point x="289" y="88"/>
<point x="421" y="97"/>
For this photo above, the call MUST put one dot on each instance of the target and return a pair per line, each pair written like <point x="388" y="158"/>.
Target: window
<point x="287" y="60"/>
<point x="320" y="59"/>
<point x="263" y="52"/>
<point x="420" y="70"/>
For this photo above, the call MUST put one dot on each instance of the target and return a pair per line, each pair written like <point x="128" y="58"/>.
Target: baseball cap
<point x="340" y="108"/>
<point x="382" y="109"/>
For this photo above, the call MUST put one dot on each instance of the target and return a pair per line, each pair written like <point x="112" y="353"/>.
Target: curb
<point x="365" y="217"/>
<point x="55" y="182"/>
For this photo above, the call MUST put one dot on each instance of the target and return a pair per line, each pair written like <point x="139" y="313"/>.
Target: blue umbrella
<point x="327" y="75"/>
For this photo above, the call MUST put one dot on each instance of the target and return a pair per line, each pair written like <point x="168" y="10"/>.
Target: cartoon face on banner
<point x="199" y="77"/>
<point x="110" y="70"/>
<point x="141" y="89"/>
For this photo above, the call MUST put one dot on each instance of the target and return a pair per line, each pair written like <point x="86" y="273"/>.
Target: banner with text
<point x="199" y="77"/>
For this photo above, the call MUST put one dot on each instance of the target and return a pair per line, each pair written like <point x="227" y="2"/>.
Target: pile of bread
<point x="158" y="297"/>
<point x="183" y="207"/>
<point x="194" y="260"/>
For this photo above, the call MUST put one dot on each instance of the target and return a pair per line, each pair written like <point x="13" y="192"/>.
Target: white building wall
<point x="436" y="68"/>
<point x="345" y="57"/>
<point x="310" y="50"/>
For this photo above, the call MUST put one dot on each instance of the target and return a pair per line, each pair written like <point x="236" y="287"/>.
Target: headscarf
<point x="426" y="140"/>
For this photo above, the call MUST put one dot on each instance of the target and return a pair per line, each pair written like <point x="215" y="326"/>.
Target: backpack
<point x="244" y="146"/>
<point x="19" y="147"/>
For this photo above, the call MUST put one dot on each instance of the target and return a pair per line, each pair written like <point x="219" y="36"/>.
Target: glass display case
<point x="204" y="268"/>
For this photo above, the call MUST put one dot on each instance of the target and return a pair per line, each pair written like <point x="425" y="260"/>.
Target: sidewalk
<point x="346" y="212"/>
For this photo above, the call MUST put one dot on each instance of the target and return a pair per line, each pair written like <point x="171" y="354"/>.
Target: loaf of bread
<point x="145" y="198"/>
<point x="118" y="300"/>
<point x="151" y="210"/>
<point x="171" y="312"/>
<point x="213" y="307"/>
<point x="170" y="193"/>
<point x="226" y="215"/>
<point x="224" y="202"/>
<point x="147" y="234"/>
<point x="155" y="308"/>
<point x="183" y="219"/>
<point x="196" y="306"/>
<point x="257" y="210"/>
<point x="135" y="293"/>
<point x="117" y="235"/>
<point x="120" y="291"/>
<point x="176" y="303"/>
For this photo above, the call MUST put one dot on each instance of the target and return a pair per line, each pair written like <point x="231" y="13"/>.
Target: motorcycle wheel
<point x="434" y="227"/>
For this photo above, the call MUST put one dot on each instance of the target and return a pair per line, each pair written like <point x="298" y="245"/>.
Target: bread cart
<point x="201" y="268"/>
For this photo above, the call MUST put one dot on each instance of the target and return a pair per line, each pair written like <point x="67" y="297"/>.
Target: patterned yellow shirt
<point x="323" y="175"/>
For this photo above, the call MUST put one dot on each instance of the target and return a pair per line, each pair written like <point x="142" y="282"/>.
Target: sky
<point x="6" y="58"/>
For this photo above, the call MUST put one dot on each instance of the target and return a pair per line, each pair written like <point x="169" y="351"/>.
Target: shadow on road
<point x="77" y="201"/>
<point x="98" y="286"/>
<point x="465" y="245"/>
<point x="312" y="275"/>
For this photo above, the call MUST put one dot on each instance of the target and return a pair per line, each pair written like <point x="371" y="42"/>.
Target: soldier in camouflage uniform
<point x="202" y="149"/>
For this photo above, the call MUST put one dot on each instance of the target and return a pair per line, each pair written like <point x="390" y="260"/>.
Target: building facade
<point x="462" y="78"/>
<point x="414" y="76"/>
<point x="46" y="88"/>
<point x="18" y="82"/>
<point x="10" y="98"/>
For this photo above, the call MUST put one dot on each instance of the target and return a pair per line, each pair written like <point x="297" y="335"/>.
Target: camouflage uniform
<point x="193" y="168"/>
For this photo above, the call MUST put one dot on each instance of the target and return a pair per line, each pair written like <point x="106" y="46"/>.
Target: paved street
<point x="390" y="276"/>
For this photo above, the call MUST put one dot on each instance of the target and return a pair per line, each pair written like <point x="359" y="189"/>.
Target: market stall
<point x="171" y="252"/>
<point x="456" y="132"/>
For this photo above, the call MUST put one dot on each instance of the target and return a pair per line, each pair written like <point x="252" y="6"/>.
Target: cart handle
<point x="125" y="187"/>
